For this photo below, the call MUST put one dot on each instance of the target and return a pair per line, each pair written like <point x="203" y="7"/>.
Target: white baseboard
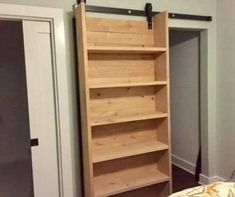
<point x="185" y="165"/>
<point x="207" y="180"/>
<point x="189" y="167"/>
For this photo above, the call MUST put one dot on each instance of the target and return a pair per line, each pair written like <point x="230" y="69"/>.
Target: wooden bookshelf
<point x="124" y="96"/>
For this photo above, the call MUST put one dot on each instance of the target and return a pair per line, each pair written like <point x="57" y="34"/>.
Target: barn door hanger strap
<point x="149" y="14"/>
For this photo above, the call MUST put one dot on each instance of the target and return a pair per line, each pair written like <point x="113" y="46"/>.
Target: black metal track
<point x="131" y="12"/>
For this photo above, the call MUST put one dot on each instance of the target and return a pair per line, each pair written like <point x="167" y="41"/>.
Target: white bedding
<point x="218" y="189"/>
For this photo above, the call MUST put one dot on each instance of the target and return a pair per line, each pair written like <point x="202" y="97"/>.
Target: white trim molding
<point x="189" y="167"/>
<point x="208" y="88"/>
<point x="62" y="98"/>
<point x="182" y="163"/>
<point x="207" y="180"/>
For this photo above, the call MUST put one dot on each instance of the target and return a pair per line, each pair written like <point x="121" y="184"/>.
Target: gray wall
<point x="184" y="76"/>
<point x="225" y="88"/>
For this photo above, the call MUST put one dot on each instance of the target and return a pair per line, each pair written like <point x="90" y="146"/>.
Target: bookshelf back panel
<point x="121" y="175"/>
<point x="121" y="102"/>
<point x="124" y="134"/>
<point x="121" y="68"/>
<point x="114" y="32"/>
<point x="125" y="102"/>
<point x="146" y="161"/>
<point x="128" y="139"/>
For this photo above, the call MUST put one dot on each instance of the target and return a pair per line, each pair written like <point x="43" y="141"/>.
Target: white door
<point x="41" y="103"/>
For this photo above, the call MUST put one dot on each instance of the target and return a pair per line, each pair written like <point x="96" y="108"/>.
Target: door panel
<point x="15" y="155"/>
<point x="39" y="71"/>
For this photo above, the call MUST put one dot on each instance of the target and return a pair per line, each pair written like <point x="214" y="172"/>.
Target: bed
<point x="217" y="189"/>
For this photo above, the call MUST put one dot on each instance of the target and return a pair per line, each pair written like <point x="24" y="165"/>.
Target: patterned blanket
<point x="218" y="189"/>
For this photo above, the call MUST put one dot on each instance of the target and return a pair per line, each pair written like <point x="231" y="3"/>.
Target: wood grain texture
<point x="118" y="26"/>
<point x="121" y="68"/>
<point x="84" y="99"/>
<point x="119" y="39"/>
<point x="162" y="21"/>
<point x="126" y="49"/>
<point x="136" y="117"/>
<point x="124" y="89"/>
<point x="128" y="139"/>
<point x="117" y="104"/>
<point x="126" y="149"/>
<point x="109" y="32"/>
<point x="127" y="174"/>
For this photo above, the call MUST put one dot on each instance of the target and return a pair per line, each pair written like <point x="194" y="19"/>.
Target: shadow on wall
<point x="181" y="36"/>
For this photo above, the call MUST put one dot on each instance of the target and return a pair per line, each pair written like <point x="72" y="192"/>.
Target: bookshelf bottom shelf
<point x="127" y="180"/>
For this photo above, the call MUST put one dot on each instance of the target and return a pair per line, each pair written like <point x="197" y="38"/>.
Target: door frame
<point x="67" y="171"/>
<point x="207" y="93"/>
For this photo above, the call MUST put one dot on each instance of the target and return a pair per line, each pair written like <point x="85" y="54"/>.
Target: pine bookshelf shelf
<point x="129" y="84"/>
<point x="141" y="172"/>
<point x="136" y="179"/>
<point x="105" y="152"/>
<point x="125" y="50"/>
<point x="124" y="97"/>
<point x="114" y="119"/>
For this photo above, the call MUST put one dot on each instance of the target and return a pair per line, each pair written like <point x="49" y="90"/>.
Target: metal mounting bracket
<point x="149" y="14"/>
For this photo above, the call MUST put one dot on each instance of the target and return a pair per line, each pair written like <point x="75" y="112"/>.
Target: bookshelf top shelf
<point x="124" y="49"/>
<point x="111" y="184"/>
